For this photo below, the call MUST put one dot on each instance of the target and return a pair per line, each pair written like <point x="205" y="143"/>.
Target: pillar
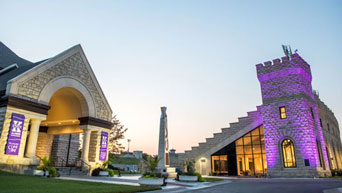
<point x="85" y="150"/>
<point x="33" y="138"/>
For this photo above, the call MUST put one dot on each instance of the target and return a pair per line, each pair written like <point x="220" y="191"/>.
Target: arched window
<point x="288" y="153"/>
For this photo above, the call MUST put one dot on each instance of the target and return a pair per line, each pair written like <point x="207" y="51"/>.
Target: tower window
<point x="282" y="112"/>
<point x="328" y="126"/>
<point x="288" y="154"/>
<point x="320" y="121"/>
<point x="312" y="113"/>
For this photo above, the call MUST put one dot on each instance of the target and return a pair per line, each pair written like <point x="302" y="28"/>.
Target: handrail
<point x="84" y="163"/>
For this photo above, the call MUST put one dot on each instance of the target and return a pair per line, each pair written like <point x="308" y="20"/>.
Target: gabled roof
<point x="7" y="58"/>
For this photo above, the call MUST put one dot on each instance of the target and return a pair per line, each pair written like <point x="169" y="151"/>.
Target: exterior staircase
<point x="225" y="133"/>
<point x="71" y="171"/>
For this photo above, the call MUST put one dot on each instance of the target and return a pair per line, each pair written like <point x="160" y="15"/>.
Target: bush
<point x="199" y="177"/>
<point x="336" y="172"/>
<point x="110" y="172"/>
<point x="152" y="175"/>
<point x="52" y="172"/>
<point x="96" y="172"/>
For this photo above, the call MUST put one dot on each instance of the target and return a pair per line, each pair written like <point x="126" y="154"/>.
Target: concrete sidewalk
<point x="132" y="180"/>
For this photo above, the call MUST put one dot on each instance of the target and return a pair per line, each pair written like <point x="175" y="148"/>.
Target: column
<point x="33" y="138"/>
<point x="85" y="150"/>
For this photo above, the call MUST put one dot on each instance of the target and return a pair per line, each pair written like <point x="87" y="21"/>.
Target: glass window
<point x="219" y="164"/>
<point x="256" y="140"/>
<point x="288" y="154"/>
<point x="239" y="142"/>
<point x="247" y="149"/>
<point x="247" y="140"/>
<point x="255" y="132"/>
<point x="239" y="150"/>
<point x="320" y="154"/>
<point x="261" y="130"/>
<point x="256" y="149"/>
<point x="282" y="112"/>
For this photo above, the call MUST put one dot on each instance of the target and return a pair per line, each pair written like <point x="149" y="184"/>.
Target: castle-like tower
<point x="294" y="140"/>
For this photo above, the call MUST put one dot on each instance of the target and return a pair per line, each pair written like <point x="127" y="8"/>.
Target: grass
<point x="212" y="179"/>
<point x="16" y="183"/>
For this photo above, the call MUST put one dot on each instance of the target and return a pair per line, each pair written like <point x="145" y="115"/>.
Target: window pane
<point x="263" y="148"/>
<point x="249" y="165"/>
<point x="255" y="140"/>
<point x="248" y="149"/>
<point x="240" y="164"/>
<point x="288" y="153"/>
<point x="261" y="130"/>
<point x="255" y="131"/>
<point x="262" y="139"/>
<point x="258" y="163"/>
<point x="247" y="140"/>
<point x="239" y="142"/>
<point x="239" y="149"/>
<point x="265" y="163"/>
<point x="256" y="149"/>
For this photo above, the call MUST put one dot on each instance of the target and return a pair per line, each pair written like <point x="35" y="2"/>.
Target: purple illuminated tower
<point x="290" y="116"/>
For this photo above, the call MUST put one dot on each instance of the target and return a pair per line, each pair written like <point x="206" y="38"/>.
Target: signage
<point x="104" y="144"/>
<point x="14" y="134"/>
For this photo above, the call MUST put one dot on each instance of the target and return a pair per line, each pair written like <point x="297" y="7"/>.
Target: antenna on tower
<point x="287" y="50"/>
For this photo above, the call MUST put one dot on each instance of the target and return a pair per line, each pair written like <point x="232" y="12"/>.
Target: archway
<point x="59" y="134"/>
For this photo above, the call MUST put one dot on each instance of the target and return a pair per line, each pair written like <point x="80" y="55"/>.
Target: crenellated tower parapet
<point x="284" y="77"/>
<point x="289" y="113"/>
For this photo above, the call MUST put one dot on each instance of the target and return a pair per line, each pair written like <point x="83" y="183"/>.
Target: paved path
<point x="275" y="186"/>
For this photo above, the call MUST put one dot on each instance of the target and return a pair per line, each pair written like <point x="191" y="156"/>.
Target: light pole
<point x="128" y="140"/>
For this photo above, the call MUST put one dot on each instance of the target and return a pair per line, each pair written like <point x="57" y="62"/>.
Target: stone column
<point x="33" y="138"/>
<point x="85" y="150"/>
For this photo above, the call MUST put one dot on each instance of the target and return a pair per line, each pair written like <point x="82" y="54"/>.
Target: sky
<point x="195" y="57"/>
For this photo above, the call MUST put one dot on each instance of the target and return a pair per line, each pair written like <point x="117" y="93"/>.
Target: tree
<point x="115" y="134"/>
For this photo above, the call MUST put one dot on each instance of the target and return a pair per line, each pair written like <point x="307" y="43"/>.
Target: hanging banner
<point x="103" y="148"/>
<point x="14" y="134"/>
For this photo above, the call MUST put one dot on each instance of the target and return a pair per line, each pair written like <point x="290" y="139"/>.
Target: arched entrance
<point x="59" y="134"/>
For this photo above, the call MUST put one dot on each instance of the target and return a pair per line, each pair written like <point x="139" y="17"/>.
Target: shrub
<point x="110" y="172"/>
<point x="52" y="171"/>
<point x="96" y="172"/>
<point x="190" y="168"/>
<point x="199" y="177"/>
<point x="336" y="172"/>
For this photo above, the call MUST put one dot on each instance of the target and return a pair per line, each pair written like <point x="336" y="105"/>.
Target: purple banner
<point x="14" y="135"/>
<point x="103" y="148"/>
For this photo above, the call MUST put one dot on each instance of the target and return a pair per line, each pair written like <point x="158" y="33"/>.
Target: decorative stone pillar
<point x="85" y="150"/>
<point x="33" y="138"/>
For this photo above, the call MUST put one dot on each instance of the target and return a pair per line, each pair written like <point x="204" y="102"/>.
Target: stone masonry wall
<point x="73" y="66"/>
<point x="331" y="134"/>
<point x="44" y="145"/>
<point x="288" y="83"/>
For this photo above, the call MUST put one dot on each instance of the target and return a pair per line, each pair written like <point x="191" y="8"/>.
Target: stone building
<point x="45" y="106"/>
<point x="292" y="134"/>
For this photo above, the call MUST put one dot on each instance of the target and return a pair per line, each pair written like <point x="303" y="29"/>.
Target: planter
<point x="103" y="173"/>
<point x="151" y="181"/>
<point x="40" y="173"/>
<point x="188" y="178"/>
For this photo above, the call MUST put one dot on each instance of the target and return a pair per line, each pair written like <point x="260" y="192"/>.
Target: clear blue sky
<point x="195" y="57"/>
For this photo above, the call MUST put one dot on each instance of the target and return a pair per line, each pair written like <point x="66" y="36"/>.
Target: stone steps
<point x="225" y="133"/>
<point x="71" y="171"/>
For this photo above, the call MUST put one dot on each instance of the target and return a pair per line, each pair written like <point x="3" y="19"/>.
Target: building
<point x="45" y="106"/>
<point x="292" y="134"/>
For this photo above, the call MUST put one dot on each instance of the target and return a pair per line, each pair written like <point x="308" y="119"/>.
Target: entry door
<point x="203" y="167"/>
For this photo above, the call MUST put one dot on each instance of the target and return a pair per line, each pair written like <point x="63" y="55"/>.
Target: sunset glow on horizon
<point x="197" y="58"/>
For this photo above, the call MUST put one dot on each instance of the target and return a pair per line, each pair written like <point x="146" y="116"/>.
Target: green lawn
<point x="212" y="179"/>
<point x="16" y="183"/>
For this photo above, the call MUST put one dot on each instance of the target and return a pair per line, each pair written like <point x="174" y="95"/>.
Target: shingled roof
<point x="7" y="58"/>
